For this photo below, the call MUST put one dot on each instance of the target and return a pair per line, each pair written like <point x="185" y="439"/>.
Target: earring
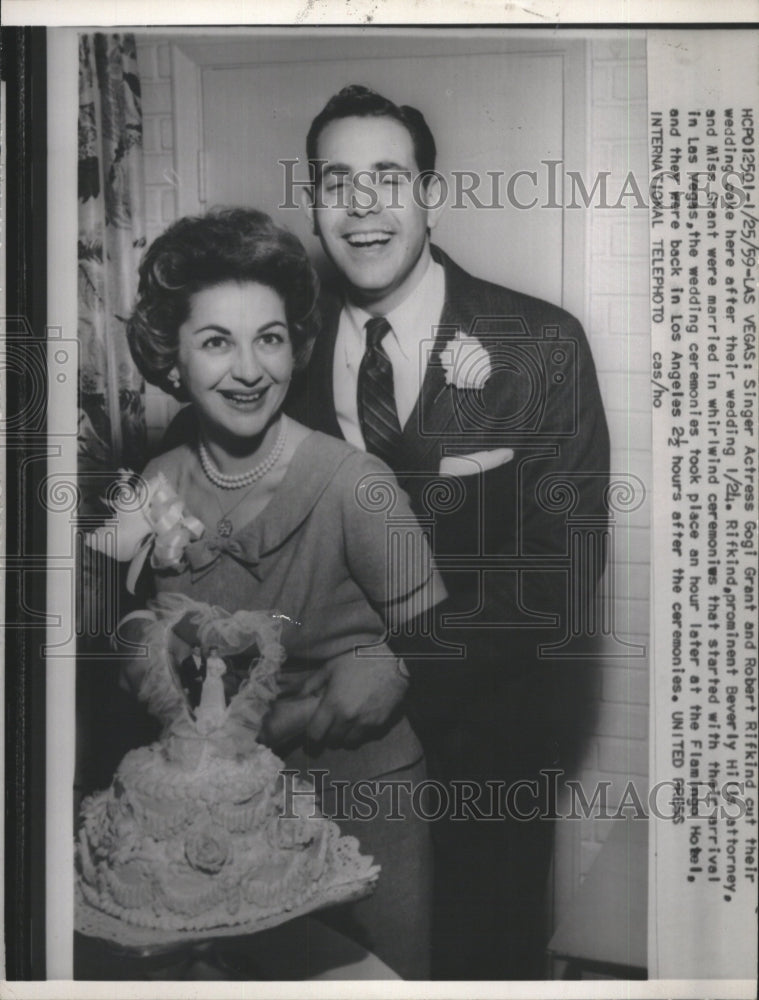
<point x="174" y="379"/>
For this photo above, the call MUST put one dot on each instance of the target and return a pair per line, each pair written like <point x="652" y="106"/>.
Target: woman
<point x="291" y="524"/>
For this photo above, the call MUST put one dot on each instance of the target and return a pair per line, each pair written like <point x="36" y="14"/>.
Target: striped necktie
<point x="377" y="414"/>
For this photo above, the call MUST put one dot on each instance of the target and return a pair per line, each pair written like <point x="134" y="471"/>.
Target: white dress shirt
<point x="407" y="345"/>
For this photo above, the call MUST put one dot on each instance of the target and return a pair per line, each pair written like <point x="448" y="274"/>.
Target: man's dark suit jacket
<point x="501" y="538"/>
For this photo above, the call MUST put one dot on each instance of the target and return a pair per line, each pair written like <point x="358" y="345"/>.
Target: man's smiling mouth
<point x="373" y="238"/>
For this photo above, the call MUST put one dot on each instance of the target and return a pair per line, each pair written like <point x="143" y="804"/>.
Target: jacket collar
<point x="434" y="411"/>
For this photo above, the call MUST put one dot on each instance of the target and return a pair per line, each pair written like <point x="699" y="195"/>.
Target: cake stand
<point x="107" y="948"/>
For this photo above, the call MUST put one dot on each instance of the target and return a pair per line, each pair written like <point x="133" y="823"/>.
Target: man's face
<point x="370" y="216"/>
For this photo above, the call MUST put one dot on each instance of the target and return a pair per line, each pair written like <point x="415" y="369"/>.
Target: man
<point x="192" y="673"/>
<point x="439" y="372"/>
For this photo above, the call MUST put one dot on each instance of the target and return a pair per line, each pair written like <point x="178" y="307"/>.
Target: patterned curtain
<point x="111" y="238"/>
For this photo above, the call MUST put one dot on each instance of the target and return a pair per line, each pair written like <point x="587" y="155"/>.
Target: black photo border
<point x="24" y="70"/>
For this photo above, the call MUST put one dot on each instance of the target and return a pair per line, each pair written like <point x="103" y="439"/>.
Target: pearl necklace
<point x="258" y="471"/>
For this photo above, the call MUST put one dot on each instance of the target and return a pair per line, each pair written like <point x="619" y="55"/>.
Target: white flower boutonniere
<point x="466" y="363"/>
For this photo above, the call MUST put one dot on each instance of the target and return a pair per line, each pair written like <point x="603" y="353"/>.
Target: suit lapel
<point x="319" y="373"/>
<point x="434" y="415"/>
<point x="433" y="411"/>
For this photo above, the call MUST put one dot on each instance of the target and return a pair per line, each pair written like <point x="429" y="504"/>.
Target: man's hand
<point x="287" y="720"/>
<point x="359" y="694"/>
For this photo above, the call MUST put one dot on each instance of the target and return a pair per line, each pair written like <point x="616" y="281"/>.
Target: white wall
<point x="619" y="324"/>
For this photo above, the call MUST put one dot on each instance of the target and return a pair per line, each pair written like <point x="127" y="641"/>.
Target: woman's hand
<point x="131" y="675"/>
<point x="358" y="696"/>
<point x="133" y="671"/>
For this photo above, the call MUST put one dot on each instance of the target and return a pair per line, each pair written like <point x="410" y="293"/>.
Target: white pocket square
<point x="478" y="461"/>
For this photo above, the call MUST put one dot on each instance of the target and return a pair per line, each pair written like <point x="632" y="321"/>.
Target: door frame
<point x="191" y="56"/>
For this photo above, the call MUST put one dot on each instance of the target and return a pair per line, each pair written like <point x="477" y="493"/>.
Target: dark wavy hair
<point x="357" y="101"/>
<point x="195" y="253"/>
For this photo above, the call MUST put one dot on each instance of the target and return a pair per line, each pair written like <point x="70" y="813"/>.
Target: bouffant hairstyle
<point x="195" y="253"/>
<point x="357" y="101"/>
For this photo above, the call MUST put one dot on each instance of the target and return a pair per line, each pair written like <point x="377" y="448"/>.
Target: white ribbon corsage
<point x="466" y="363"/>
<point x="150" y="520"/>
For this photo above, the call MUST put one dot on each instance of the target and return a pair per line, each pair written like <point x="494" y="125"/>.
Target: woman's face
<point x="235" y="358"/>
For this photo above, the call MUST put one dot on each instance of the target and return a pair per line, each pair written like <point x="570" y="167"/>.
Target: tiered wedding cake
<point x="200" y="831"/>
